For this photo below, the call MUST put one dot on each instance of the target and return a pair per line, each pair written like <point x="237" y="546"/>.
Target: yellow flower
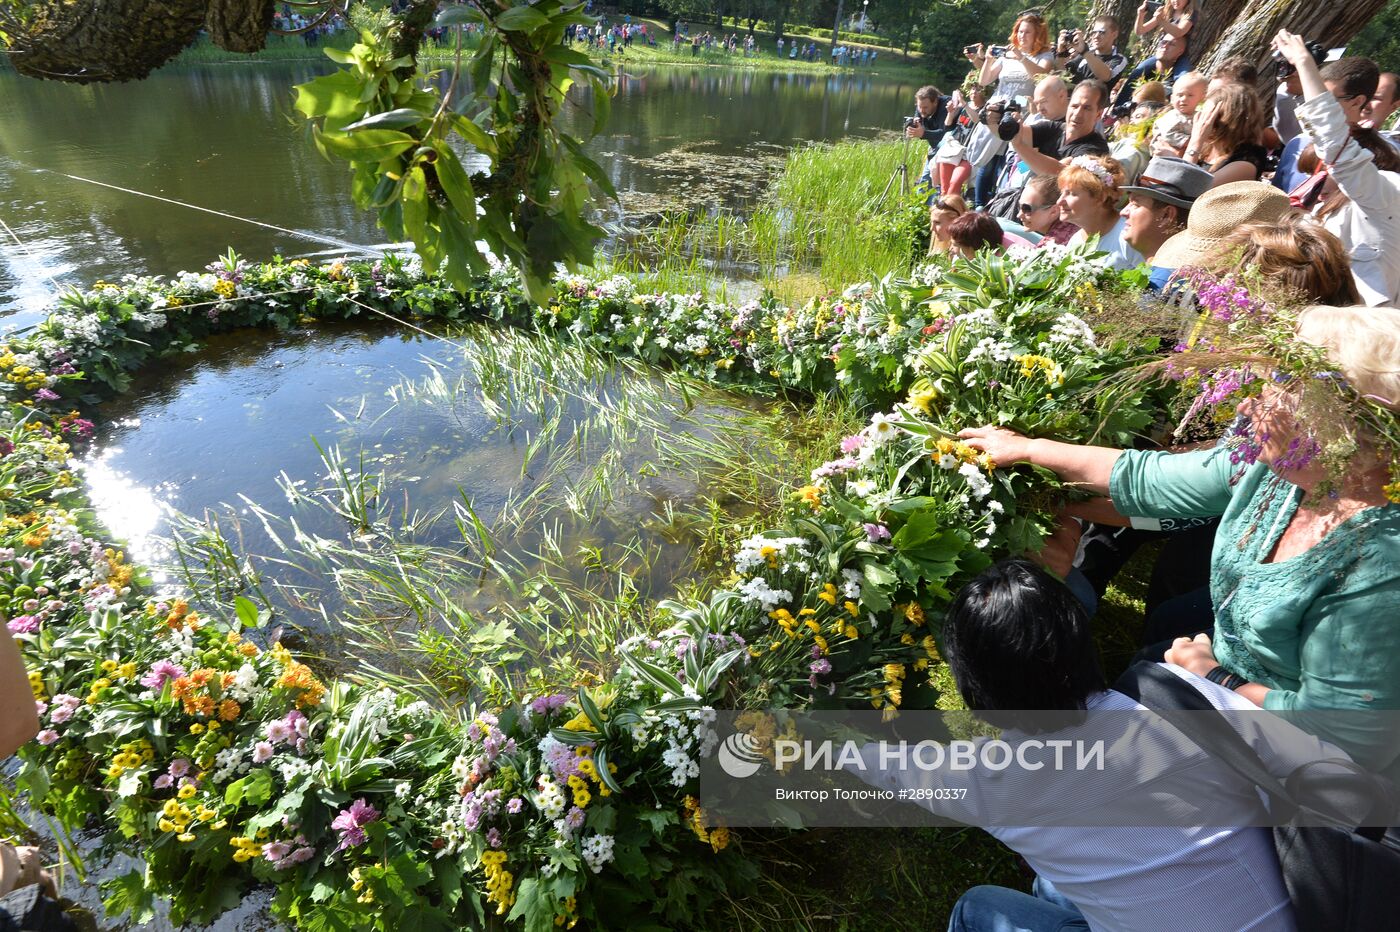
<point x="109" y="666"/>
<point x="165" y="825"/>
<point x="196" y="729"/>
<point x="851" y="608"/>
<point x="185" y="836"/>
<point x="1392" y="492"/>
<point x="828" y="594"/>
<point x="851" y="632"/>
<point x="186" y="791"/>
<point x="126" y="671"/>
<point x="810" y="495"/>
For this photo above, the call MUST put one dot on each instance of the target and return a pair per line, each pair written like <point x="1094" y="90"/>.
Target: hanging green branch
<point x="402" y="138"/>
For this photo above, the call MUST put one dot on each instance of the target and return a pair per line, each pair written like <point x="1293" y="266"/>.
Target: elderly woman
<point x="1091" y="188"/>
<point x="1305" y="571"/>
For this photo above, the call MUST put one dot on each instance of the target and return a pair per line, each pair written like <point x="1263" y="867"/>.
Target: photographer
<point x="930" y="119"/>
<point x="1014" y="66"/>
<point x="1044" y="145"/>
<point x="1092" y="57"/>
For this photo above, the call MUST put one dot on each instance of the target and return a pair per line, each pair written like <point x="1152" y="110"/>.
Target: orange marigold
<point x="299" y="677"/>
<point x="228" y="710"/>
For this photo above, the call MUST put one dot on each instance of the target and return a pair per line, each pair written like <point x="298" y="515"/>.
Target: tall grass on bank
<point x="835" y="215"/>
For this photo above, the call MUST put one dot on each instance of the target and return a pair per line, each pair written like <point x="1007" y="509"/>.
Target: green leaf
<point x="334" y="95"/>
<point x="390" y="119"/>
<point x="370" y="145"/>
<point x="921" y="526"/>
<point x="521" y="19"/>
<point x="590" y="709"/>
<point x="600" y="759"/>
<point x="459" y="15"/>
<point x="247" y="611"/>
<point x="415" y="214"/>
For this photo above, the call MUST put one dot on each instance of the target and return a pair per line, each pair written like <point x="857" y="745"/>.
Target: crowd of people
<point x="1277" y="581"/>
<point x="1075" y="110"/>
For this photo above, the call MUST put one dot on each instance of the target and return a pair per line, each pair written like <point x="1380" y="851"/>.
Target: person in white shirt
<point x="1016" y="639"/>
<point x="1360" y="200"/>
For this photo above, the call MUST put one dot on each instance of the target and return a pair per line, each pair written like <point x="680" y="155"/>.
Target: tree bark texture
<point x="1334" y="23"/>
<point x="239" y="25"/>
<point x="125" y="40"/>
<point x="105" y="40"/>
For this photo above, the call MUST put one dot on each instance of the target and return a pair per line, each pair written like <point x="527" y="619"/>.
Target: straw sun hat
<point x="1218" y="213"/>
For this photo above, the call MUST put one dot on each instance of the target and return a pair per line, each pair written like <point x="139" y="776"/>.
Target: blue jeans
<point x="997" y="909"/>
<point x="984" y="188"/>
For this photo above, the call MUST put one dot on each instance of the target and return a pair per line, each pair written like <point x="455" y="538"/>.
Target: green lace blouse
<point x="1321" y="629"/>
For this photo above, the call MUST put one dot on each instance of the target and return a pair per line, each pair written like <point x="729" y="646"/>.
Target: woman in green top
<point x="1305" y="584"/>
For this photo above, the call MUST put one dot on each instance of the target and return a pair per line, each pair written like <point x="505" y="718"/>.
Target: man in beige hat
<point x="1215" y="215"/>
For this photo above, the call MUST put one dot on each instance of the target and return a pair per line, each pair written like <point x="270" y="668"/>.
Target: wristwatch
<point x="1220" y="676"/>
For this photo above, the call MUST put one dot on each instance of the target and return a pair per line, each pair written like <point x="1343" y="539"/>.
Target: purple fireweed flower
<point x="820" y="667"/>
<point x="350" y="823"/>
<point x="46" y="394"/>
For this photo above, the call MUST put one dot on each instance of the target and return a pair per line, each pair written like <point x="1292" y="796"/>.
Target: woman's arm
<point x="18" y="719"/>
<point x="1178" y="29"/>
<point x="1350" y="164"/>
<point x="1089" y="467"/>
<point x="1033" y="63"/>
<point x="991" y="70"/>
<point x="1144" y="24"/>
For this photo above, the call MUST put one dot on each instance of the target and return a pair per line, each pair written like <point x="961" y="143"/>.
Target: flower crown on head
<point x="1246" y="338"/>
<point x="1094" y="168"/>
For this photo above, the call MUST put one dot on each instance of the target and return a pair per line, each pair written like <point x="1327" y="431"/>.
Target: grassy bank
<point x="764" y="58"/>
<point x="835" y="214"/>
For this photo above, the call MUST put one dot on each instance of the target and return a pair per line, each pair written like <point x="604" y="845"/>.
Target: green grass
<point x="834" y="216"/>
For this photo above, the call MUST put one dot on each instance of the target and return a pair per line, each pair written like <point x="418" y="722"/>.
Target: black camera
<point x="1123" y="110"/>
<point x="1284" y="68"/>
<point x="911" y="121"/>
<point x="1010" y="123"/>
<point x="997" y="51"/>
<point x="969" y="49"/>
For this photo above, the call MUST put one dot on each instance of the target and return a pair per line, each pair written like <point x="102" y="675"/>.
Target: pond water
<point x="102" y="181"/>
<point x="224" y="138"/>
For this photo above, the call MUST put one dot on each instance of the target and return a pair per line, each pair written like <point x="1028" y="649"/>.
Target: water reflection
<point x="224" y="137"/>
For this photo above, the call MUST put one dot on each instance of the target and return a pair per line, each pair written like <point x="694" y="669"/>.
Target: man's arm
<point x="1037" y="161"/>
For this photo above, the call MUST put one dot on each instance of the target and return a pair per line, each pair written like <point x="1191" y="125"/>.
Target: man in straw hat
<point x="1215" y="215"/>
<point x="1158" y="205"/>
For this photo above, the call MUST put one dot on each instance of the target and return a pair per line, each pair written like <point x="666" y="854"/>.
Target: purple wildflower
<point x="876" y="532"/>
<point x="350" y="823"/>
<point x="24" y="624"/>
<point x="162" y="671"/>
<point x="552" y="702"/>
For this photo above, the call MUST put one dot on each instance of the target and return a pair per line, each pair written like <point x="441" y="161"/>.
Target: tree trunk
<point x="239" y="25"/>
<point x="1125" y="11"/>
<point x="115" y="40"/>
<point x="836" y="27"/>
<point x="781" y="24"/>
<point x="1333" y="24"/>
<point x="908" y="40"/>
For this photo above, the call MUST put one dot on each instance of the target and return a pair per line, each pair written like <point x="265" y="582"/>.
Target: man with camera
<point x="929" y="123"/>
<point x="930" y="117"/>
<point x="1094" y="56"/>
<point x="1044" y="145"/>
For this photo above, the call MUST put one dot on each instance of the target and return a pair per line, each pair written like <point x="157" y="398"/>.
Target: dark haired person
<point x="1016" y="639"/>
<point x="1094" y="56"/>
<point x="1043" y="145"/>
<point x="929" y="123"/>
<point x="971" y="233"/>
<point x="1352" y="81"/>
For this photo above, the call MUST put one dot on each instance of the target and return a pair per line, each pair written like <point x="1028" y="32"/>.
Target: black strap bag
<point x="1339" y="877"/>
